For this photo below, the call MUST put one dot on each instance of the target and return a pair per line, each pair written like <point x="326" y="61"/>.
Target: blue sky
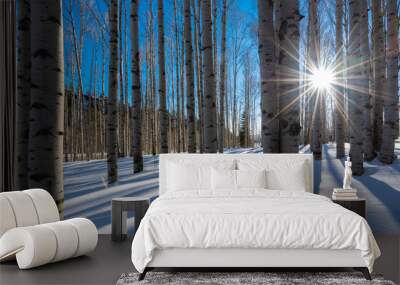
<point x="246" y="9"/>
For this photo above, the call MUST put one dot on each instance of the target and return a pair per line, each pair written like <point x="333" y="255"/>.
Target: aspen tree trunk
<point x="23" y="94"/>
<point x="214" y="14"/>
<point x="289" y="121"/>
<point x="199" y="73"/>
<point x="190" y="102"/>
<point x="173" y="111"/>
<point x="47" y="100"/>
<point x="307" y="97"/>
<point x="222" y="81"/>
<point x="94" y="122"/>
<point x="161" y="87"/>
<point x="339" y="98"/>
<point x="210" y="134"/>
<point x="315" y="94"/>
<point x="102" y="117"/>
<point x="88" y="121"/>
<point x="127" y="122"/>
<point x="277" y="24"/>
<point x="177" y="74"/>
<point x="346" y="72"/>
<point x="146" y="97"/>
<point x="171" y="98"/>
<point x="391" y="99"/>
<point x="67" y="94"/>
<point x="182" y="91"/>
<point x="355" y="111"/>
<point x="73" y="112"/>
<point x="153" y="97"/>
<point x="77" y="49"/>
<point x="246" y="108"/>
<point x="379" y="71"/>
<point x="234" y="104"/>
<point x="214" y="36"/>
<point x="121" y="108"/>
<point x="269" y="127"/>
<point x="136" y="95"/>
<point x="233" y="100"/>
<point x="89" y="110"/>
<point x="323" y="117"/>
<point x="227" y="96"/>
<point x="112" y="113"/>
<point x="367" y="107"/>
<point x="149" y="85"/>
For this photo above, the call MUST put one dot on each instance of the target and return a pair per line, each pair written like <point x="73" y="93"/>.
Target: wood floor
<point x="103" y="266"/>
<point x="110" y="260"/>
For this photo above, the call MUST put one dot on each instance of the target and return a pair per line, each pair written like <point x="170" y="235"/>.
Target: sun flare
<point x="322" y="79"/>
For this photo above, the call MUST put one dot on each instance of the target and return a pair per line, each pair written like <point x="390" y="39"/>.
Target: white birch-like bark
<point x="161" y="81"/>
<point x="365" y="92"/>
<point x="178" y="78"/>
<point x="190" y="101"/>
<point x="378" y="37"/>
<point x="112" y="113"/>
<point x="339" y="98"/>
<point x="210" y="120"/>
<point x="222" y="89"/>
<point x="47" y="99"/>
<point x="355" y="96"/>
<point x="182" y="91"/>
<point x="121" y="63"/>
<point x="391" y="99"/>
<point x="23" y="94"/>
<point x="136" y="95"/>
<point x="266" y="51"/>
<point x="289" y="120"/>
<point x="199" y="74"/>
<point x="315" y="94"/>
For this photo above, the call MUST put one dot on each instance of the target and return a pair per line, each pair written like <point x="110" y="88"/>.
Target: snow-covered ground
<point x="88" y="195"/>
<point x="379" y="185"/>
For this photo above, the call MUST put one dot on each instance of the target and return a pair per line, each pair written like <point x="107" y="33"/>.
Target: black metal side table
<point x="120" y="208"/>
<point x="358" y="206"/>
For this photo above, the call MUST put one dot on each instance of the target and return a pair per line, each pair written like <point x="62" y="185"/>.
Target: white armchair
<point x="31" y="230"/>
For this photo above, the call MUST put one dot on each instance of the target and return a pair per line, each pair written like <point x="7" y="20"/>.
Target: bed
<point x="247" y="211"/>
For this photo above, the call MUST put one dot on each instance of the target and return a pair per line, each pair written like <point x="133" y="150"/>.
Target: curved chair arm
<point x="40" y="244"/>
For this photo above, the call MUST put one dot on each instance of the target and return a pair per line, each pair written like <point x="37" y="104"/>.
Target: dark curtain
<point x="7" y="93"/>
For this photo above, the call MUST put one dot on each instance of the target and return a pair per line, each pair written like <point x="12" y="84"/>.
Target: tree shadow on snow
<point x="106" y="204"/>
<point x="98" y="185"/>
<point x="332" y="168"/>
<point x="388" y="195"/>
<point x="317" y="176"/>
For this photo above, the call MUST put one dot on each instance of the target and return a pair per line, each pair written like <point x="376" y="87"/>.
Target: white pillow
<point x="183" y="177"/>
<point x="188" y="174"/>
<point x="251" y="178"/>
<point x="223" y="179"/>
<point x="291" y="178"/>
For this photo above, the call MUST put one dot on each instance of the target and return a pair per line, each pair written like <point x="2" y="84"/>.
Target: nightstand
<point x="358" y="206"/>
<point x="119" y="208"/>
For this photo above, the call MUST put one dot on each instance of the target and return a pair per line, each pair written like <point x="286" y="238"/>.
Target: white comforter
<point x="250" y="219"/>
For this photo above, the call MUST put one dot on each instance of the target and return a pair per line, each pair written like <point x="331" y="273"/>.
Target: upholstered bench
<point x="31" y="230"/>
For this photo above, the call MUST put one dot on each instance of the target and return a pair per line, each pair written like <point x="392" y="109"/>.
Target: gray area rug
<point x="228" y="278"/>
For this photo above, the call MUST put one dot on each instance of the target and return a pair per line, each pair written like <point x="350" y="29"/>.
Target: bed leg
<point x="142" y="275"/>
<point x="364" y="271"/>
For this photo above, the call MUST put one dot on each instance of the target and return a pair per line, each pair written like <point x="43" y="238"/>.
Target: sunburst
<point x="322" y="78"/>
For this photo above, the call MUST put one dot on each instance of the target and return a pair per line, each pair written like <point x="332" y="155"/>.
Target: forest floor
<point x="87" y="193"/>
